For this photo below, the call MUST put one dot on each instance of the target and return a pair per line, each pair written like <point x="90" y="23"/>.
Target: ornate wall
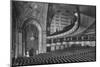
<point x="23" y="11"/>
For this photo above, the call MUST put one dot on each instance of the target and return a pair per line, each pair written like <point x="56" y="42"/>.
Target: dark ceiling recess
<point x="88" y="10"/>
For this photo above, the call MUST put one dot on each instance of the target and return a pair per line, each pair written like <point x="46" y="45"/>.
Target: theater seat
<point x="80" y="54"/>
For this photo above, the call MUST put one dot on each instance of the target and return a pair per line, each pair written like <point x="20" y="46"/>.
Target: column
<point x="44" y="42"/>
<point x="16" y="46"/>
<point x="20" y="44"/>
<point x="43" y="24"/>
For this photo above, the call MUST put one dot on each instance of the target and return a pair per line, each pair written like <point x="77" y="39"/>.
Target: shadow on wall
<point x="88" y="10"/>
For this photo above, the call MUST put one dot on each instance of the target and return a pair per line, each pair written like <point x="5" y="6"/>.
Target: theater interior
<point x="52" y="33"/>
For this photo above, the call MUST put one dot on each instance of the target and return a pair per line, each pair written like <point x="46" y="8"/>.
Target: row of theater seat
<point x="79" y="55"/>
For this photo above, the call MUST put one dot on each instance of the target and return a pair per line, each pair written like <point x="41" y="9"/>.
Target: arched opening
<point x="32" y="37"/>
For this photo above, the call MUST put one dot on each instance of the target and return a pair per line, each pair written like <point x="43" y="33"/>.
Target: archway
<point x="32" y="36"/>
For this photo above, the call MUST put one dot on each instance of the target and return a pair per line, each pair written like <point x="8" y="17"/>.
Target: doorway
<point x="32" y="38"/>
